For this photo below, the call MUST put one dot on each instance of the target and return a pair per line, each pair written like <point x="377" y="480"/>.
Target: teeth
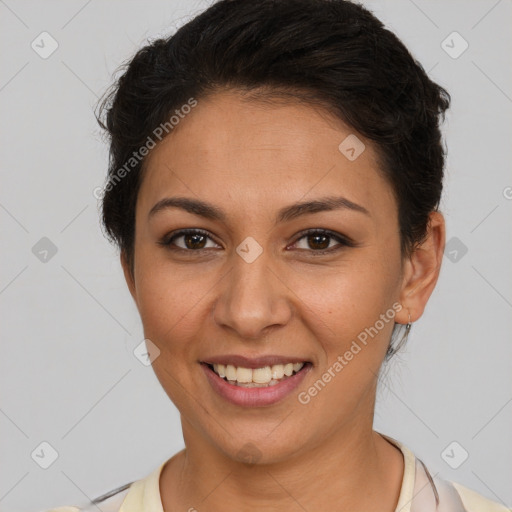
<point x="268" y="375"/>
<point x="230" y="371"/>
<point x="277" y="371"/>
<point x="262" y="375"/>
<point x="243" y="374"/>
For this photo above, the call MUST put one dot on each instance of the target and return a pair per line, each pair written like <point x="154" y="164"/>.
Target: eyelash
<point x="167" y="241"/>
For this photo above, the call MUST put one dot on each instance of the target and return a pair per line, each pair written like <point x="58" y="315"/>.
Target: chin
<point x="260" y="451"/>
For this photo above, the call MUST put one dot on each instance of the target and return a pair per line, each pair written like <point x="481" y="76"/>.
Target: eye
<point x="318" y="241"/>
<point x="193" y="240"/>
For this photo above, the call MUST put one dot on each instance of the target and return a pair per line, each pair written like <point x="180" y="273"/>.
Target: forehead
<point x="229" y="149"/>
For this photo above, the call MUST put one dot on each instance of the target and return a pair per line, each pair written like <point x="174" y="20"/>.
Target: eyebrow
<point x="212" y="212"/>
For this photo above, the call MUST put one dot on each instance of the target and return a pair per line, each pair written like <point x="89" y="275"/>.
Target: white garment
<point x="417" y="493"/>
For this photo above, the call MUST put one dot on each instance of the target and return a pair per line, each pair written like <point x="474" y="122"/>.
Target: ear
<point x="130" y="281"/>
<point x="421" y="271"/>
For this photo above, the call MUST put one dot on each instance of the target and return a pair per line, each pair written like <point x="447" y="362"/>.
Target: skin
<point x="250" y="159"/>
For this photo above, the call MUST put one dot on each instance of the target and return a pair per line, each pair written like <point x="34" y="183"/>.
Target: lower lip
<point x="255" y="397"/>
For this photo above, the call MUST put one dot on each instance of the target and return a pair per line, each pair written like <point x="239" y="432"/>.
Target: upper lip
<point x="253" y="362"/>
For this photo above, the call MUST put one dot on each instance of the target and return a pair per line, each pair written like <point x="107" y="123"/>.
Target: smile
<point x="257" y="377"/>
<point x="254" y="382"/>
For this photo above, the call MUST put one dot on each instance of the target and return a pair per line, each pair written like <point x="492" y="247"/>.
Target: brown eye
<point x="192" y="240"/>
<point x="320" y="241"/>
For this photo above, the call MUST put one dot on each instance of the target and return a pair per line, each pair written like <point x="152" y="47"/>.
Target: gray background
<point x="68" y="373"/>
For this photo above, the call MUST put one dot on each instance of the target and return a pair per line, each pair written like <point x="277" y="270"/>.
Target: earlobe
<point x="422" y="270"/>
<point x="128" y="275"/>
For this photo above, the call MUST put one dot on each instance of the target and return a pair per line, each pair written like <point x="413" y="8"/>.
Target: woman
<point x="275" y="175"/>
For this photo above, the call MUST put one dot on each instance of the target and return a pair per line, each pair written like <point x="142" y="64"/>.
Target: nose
<point x="253" y="299"/>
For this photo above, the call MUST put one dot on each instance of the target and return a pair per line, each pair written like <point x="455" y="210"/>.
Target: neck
<point x="355" y="469"/>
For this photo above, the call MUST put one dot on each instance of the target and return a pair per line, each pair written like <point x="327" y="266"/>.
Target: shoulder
<point x="474" y="502"/>
<point x="109" y="502"/>
<point x="422" y="492"/>
<point x="63" y="509"/>
<point x="448" y="496"/>
<point x="140" y="495"/>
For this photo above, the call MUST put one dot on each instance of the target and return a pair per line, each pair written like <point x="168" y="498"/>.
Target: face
<point x="258" y="277"/>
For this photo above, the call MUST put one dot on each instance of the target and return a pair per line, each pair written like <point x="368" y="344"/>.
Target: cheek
<point x="171" y="301"/>
<point x="344" y="311"/>
<point x="349" y="298"/>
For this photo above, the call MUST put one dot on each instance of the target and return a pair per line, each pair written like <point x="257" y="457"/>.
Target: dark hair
<point x="329" y="53"/>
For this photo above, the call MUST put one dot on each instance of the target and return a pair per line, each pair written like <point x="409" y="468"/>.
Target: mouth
<point x="253" y="382"/>
<point x="263" y="377"/>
